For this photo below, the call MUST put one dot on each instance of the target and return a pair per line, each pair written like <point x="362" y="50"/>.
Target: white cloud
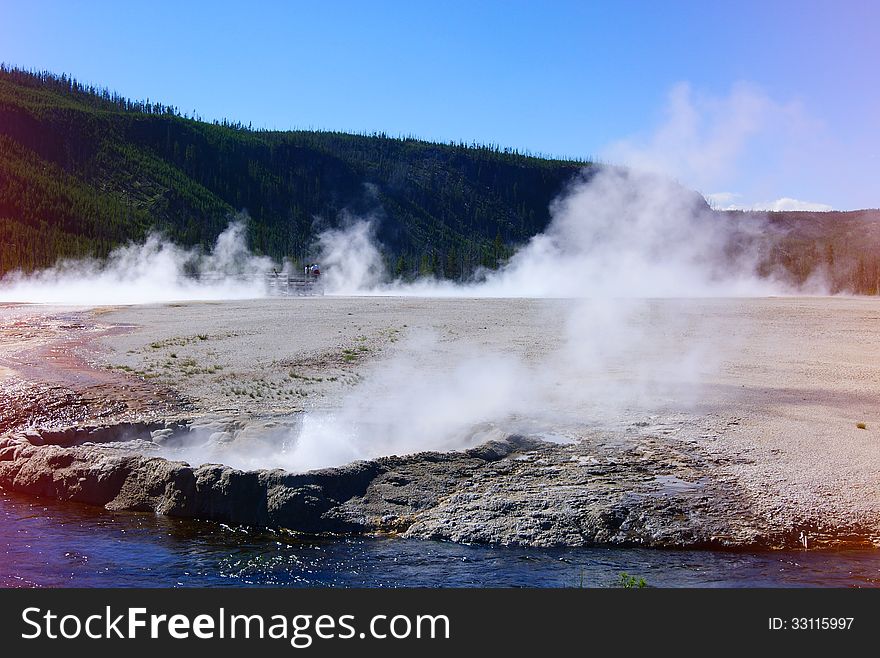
<point x="728" y="201"/>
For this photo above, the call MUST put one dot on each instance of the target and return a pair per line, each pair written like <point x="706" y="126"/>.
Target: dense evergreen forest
<point x="83" y="170"/>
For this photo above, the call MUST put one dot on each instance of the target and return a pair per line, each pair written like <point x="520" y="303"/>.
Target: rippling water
<point x="45" y="543"/>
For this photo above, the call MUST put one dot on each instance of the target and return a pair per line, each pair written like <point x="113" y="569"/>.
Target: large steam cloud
<point x="351" y="261"/>
<point x="435" y="394"/>
<point x="615" y="233"/>
<point x="154" y="271"/>
<point x="616" y="238"/>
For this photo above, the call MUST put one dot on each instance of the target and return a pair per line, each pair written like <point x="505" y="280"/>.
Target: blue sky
<point x="749" y="101"/>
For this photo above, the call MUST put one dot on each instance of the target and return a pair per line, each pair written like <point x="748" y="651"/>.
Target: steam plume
<point x="615" y="233"/>
<point x="154" y="271"/>
<point x="616" y="238"/>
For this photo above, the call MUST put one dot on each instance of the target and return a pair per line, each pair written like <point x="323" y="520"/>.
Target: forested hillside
<point x="82" y="170"/>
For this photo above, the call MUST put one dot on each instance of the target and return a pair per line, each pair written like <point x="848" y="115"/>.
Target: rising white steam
<point x="155" y="271"/>
<point x="606" y="362"/>
<point x="615" y="233"/>
<point x="423" y="398"/>
<point x="705" y="140"/>
<point x="610" y="355"/>
<point x="349" y="258"/>
<point x="630" y="234"/>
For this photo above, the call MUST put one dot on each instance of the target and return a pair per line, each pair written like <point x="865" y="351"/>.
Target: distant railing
<point x="294" y="284"/>
<point x="279" y="284"/>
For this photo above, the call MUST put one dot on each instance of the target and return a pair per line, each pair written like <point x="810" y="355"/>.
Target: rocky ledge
<point x="519" y="490"/>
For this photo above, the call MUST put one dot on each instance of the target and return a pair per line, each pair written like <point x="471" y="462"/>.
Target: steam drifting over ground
<point x="615" y="239"/>
<point x="155" y="271"/>
<point x="615" y="233"/>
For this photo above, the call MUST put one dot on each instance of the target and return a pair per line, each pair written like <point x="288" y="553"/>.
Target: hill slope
<point x="82" y="170"/>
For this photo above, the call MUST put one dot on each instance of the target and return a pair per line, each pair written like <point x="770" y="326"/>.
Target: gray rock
<point x="517" y="491"/>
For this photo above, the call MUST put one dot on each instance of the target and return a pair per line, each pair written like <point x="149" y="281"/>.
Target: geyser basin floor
<point x="761" y="405"/>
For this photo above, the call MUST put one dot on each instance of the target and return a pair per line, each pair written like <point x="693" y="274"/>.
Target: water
<point x="49" y="544"/>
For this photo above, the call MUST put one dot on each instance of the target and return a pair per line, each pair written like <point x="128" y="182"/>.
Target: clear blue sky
<point x="568" y="78"/>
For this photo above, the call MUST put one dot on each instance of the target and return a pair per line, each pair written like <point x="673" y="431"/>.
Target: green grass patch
<point x="631" y="582"/>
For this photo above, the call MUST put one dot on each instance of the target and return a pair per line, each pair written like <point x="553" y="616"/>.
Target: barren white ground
<point x="780" y="388"/>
